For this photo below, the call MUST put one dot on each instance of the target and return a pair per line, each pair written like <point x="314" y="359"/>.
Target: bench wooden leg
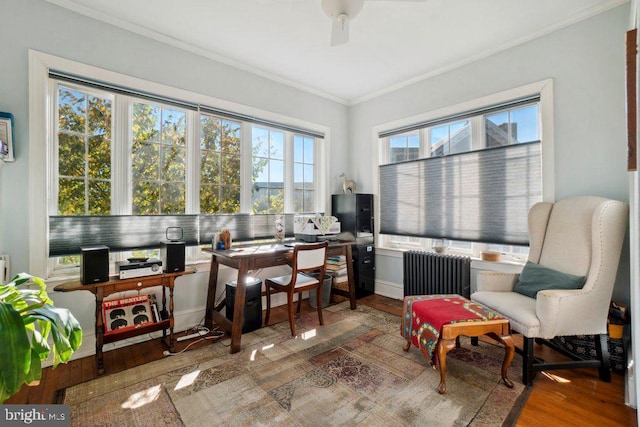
<point x="407" y="346"/>
<point x="509" y="350"/>
<point x="443" y="347"/>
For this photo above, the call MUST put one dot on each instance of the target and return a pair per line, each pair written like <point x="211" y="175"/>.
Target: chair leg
<point x="290" y="310"/>
<point x="527" y="361"/>
<point x="299" y="302"/>
<point x="319" y="303"/>
<point x="266" y="316"/>
<point x="602" y="351"/>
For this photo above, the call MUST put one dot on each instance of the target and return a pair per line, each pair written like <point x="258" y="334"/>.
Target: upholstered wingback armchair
<point x="580" y="236"/>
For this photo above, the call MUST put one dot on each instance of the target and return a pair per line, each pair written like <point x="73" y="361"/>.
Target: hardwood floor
<point x="563" y="397"/>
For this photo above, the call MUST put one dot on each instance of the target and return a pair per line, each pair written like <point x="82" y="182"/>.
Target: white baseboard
<point x="389" y="289"/>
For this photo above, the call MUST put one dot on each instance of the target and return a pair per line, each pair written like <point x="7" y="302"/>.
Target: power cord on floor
<point x="217" y="335"/>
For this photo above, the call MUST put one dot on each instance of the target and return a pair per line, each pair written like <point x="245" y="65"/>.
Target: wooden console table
<point x="248" y="258"/>
<point x="115" y="285"/>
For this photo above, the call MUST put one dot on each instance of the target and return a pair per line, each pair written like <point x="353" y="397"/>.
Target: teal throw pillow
<point x="535" y="278"/>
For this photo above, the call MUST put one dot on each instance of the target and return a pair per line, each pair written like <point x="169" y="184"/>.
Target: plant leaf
<point x="39" y="344"/>
<point x="15" y="352"/>
<point x="35" y="371"/>
<point x="65" y="330"/>
<point x="4" y="393"/>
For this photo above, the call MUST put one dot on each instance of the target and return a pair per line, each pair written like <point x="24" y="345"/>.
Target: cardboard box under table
<point x="433" y="323"/>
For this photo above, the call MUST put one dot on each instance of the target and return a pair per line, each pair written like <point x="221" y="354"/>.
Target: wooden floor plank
<point x="563" y="397"/>
<point x="88" y="368"/>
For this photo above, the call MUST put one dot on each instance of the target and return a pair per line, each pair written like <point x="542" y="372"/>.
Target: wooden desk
<point x="248" y="258"/>
<point x="114" y="285"/>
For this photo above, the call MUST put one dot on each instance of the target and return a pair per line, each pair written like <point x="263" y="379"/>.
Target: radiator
<point x="428" y="273"/>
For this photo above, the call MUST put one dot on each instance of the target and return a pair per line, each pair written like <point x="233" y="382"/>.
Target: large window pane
<point x="84" y="153"/>
<point x="513" y="126"/>
<point x="460" y="137"/>
<point x="219" y="165"/>
<point x="525" y="124"/>
<point x="303" y="174"/>
<point x="267" y="193"/>
<point x="158" y="160"/>
<point x="439" y="144"/>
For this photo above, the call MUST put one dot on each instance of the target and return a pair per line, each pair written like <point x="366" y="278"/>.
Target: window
<point x="119" y="153"/>
<point x="84" y="153"/>
<point x="460" y="191"/>
<point x="303" y="173"/>
<point x="158" y="160"/>
<point x="267" y="192"/>
<point x="404" y="147"/>
<point x="450" y="138"/>
<point x="219" y="165"/>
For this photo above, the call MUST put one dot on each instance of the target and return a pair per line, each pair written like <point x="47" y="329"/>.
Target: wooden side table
<point x="115" y="285"/>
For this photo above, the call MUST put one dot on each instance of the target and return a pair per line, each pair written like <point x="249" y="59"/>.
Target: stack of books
<point x="337" y="267"/>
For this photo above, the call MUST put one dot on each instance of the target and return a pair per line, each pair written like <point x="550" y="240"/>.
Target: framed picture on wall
<point x="6" y="137"/>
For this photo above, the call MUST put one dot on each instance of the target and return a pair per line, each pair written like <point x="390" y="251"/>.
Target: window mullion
<point x="246" y="167"/>
<point x="52" y="177"/>
<point x="478" y="135"/>
<point x="288" y="173"/>
<point x="121" y="157"/>
<point x="425" y="147"/>
<point x="192" y="168"/>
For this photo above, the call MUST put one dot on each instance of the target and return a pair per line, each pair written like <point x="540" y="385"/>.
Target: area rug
<point x="351" y="371"/>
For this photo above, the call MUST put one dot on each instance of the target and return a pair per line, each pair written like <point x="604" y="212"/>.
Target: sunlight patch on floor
<point x="143" y="397"/>
<point x="187" y="379"/>
<point x="308" y="335"/>
<point x="556" y="378"/>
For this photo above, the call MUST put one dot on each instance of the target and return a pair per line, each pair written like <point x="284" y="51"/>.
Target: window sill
<point x="476" y="261"/>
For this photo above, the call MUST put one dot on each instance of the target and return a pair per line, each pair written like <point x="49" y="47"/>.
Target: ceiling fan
<point x="341" y="12"/>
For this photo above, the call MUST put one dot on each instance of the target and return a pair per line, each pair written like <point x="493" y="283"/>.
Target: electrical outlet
<point x="4" y="268"/>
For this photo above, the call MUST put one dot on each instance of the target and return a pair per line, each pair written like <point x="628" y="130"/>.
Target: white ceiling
<point x="392" y="42"/>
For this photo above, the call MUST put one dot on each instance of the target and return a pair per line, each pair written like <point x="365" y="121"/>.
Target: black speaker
<point x="172" y="256"/>
<point x="94" y="264"/>
<point x="252" y="303"/>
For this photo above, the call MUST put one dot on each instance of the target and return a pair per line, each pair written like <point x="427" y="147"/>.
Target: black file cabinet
<point x="364" y="269"/>
<point x="355" y="213"/>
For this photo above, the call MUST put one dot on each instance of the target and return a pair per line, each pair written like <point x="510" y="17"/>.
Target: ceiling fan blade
<point x="339" y="31"/>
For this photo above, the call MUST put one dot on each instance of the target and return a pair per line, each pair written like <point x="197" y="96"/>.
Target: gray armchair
<point x="581" y="236"/>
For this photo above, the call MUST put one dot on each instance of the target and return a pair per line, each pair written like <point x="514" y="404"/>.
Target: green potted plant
<point x="27" y="318"/>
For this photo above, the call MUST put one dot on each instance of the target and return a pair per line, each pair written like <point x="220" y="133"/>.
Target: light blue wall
<point x="586" y="62"/>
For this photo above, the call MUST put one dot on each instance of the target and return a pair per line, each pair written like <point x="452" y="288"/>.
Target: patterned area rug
<point x="351" y="371"/>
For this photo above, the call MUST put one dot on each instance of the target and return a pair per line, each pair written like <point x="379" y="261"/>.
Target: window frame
<point x="42" y="119"/>
<point x="391" y="245"/>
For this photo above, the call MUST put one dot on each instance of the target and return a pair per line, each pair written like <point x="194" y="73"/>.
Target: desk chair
<point x="306" y="258"/>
